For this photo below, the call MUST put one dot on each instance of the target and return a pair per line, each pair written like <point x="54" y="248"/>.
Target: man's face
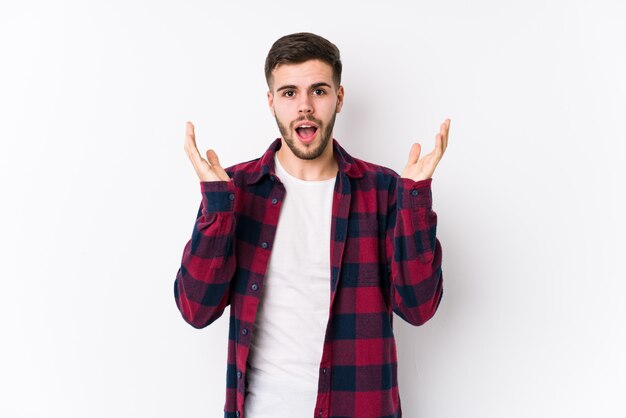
<point x="305" y="100"/>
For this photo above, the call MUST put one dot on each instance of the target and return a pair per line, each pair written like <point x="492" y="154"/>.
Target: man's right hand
<point x="210" y="170"/>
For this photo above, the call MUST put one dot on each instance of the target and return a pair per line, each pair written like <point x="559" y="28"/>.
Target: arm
<point x="202" y="285"/>
<point x="413" y="252"/>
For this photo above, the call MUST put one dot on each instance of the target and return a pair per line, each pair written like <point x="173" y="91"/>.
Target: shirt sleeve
<point x="413" y="252"/>
<point x="202" y="285"/>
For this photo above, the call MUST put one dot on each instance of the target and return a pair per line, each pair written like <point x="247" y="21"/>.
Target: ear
<point x="340" y="94"/>
<point x="270" y="102"/>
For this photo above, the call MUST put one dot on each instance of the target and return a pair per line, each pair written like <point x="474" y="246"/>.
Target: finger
<point x="442" y="133"/>
<point x="414" y="154"/>
<point x="439" y="146"/>
<point x="216" y="166"/>
<point x="190" y="136"/>
<point x="191" y="148"/>
<point x="445" y="136"/>
<point x="212" y="158"/>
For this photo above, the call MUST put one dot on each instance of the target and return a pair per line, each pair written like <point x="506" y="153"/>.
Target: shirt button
<point x="255" y="286"/>
<point x="239" y="374"/>
<point x="231" y="196"/>
<point x="324" y="370"/>
<point x="274" y="201"/>
<point x="244" y="331"/>
<point x="264" y="244"/>
<point x="339" y="237"/>
<point x="414" y="192"/>
<point x="237" y="414"/>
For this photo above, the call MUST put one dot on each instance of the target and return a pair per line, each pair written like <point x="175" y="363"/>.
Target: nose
<point x="305" y="107"/>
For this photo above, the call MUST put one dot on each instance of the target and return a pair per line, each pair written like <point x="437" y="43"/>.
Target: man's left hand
<point x="421" y="169"/>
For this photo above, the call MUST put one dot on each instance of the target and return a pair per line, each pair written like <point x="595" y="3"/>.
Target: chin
<point x="309" y="151"/>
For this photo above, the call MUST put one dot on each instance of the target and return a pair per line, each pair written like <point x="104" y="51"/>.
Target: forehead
<point x="302" y="74"/>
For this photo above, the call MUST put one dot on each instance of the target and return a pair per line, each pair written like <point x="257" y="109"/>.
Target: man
<point x="313" y="250"/>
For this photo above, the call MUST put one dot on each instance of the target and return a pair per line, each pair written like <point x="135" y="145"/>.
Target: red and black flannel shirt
<point x="384" y="256"/>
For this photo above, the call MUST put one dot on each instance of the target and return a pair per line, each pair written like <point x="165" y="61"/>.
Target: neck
<point x="323" y="167"/>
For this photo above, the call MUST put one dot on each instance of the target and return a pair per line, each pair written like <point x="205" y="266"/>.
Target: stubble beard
<point x="325" y="133"/>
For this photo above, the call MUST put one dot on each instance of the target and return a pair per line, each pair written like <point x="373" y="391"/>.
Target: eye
<point x="318" y="92"/>
<point x="289" y="93"/>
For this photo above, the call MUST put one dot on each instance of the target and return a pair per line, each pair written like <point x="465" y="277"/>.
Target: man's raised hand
<point x="209" y="169"/>
<point x="423" y="169"/>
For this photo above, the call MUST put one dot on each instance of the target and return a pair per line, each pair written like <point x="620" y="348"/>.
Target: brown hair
<point x="300" y="47"/>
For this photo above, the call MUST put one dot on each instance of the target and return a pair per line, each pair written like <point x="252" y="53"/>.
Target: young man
<point x="313" y="250"/>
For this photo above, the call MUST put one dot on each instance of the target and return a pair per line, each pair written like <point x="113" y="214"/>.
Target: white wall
<point x="99" y="197"/>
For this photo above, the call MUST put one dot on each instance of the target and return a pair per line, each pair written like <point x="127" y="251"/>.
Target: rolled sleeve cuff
<point x="413" y="194"/>
<point x="218" y="196"/>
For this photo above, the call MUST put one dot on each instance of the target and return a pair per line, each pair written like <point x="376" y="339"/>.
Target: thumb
<point x="414" y="154"/>
<point x="212" y="158"/>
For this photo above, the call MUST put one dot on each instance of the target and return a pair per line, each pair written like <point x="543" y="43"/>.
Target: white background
<point x="99" y="199"/>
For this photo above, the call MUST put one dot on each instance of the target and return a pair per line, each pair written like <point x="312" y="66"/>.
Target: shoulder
<point x="247" y="173"/>
<point x="253" y="170"/>
<point x="369" y="168"/>
<point x="378" y="175"/>
<point x="244" y="169"/>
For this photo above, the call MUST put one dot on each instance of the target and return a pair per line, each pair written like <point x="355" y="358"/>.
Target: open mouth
<point x="306" y="132"/>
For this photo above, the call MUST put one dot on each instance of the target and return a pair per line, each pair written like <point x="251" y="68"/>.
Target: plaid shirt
<point x="384" y="258"/>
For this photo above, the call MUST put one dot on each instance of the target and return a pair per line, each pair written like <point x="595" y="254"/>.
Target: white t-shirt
<point x="286" y="348"/>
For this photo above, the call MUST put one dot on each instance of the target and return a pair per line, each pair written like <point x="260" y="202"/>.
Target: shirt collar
<point x="266" y="165"/>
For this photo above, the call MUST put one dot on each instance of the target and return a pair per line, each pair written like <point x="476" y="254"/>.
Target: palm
<point x="420" y="169"/>
<point x="209" y="169"/>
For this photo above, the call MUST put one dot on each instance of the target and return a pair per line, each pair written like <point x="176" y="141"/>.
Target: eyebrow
<point x="313" y="86"/>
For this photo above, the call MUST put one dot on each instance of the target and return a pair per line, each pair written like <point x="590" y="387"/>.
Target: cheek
<point x="331" y="108"/>
<point x="282" y="115"/>
<point x="282" y="109"/>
